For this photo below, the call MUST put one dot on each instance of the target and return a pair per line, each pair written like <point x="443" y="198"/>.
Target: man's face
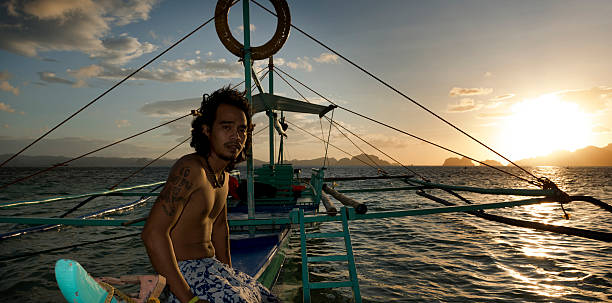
<point x="228" y="134"/>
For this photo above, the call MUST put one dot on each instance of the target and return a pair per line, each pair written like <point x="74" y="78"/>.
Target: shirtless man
<point x="186" y="233"/>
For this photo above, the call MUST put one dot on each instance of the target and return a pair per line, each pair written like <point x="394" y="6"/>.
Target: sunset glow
<point x="540" y="126"/>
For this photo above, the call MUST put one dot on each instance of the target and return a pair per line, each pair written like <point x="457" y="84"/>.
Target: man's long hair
<point x="208" y="112"/>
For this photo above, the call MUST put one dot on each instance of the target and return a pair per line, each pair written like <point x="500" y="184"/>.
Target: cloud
<point x="180" y="70"/>
<point x="382" y="141"/>
<point x="122" y="49"/>
<point x="84" y="73"/>
<point x="458" y="91"/>
<point x="591" y="100"/>
<point x="327" y="58"/>
<point x="30" y="27"/>
<point x="601" y="129"/>
<point x="502" y="97"/>
<point x="5" y="75"/>
<point x="302" y="63"/>
<point x="488" y="74"/>
<point x="241" y="28"/>
<point x="6" y="108"/>
<point x="122" y="123"/>
<point x="495" y="115"/>
<point x="464" y="105"/>
<point x="5" y="85"/>
<point x="170" y="108"/>
<point x="180" y="129"/>
<point x="50" y="77"/>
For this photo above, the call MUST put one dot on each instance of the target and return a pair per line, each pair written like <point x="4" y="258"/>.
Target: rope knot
<point x="559" y="195"/>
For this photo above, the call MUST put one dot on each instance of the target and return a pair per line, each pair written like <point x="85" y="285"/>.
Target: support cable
<point x="110" y="89"/>
<point x="403" y="95"/>
<point x="109" y="145"/>
<point x="253" y="86"/>
<point x="360" y="149"/>
<point x="373" y="146"/>
<point x="538" y="183"/>
<point x="328" y="137"/>
<point x="151" y="162"/>
<point x="334" y="123"/>
<point x="93" y="197"/>
<point x="366" y="163"/>
<point x="255" y="134"/>
<point x="322" y="133"/>
<point x="91" y="152"/>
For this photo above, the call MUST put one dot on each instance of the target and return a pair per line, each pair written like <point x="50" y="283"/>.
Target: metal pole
<point x="271" y="89"/>
<point x="270" y="116"/>
<point x="247" y="86"/>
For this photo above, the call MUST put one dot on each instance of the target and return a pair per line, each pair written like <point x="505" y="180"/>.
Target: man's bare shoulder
<point x="191" y="161"/>
<point x="187" y="168"/>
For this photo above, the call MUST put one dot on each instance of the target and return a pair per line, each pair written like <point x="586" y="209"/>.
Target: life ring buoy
<point x="259" y="52"/>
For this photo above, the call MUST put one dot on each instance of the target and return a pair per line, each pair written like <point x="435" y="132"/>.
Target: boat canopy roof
<point x="264" y="101"/>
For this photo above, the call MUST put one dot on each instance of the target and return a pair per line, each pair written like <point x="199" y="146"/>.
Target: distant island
<point x="358" y="160"/>
<point x="492" y="163"/>
<point x="458" y="162"/>
<point x="588" y="156"/>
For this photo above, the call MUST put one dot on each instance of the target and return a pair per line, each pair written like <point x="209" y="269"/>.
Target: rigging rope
<point x="259" y="131"/>
<point x="89" y="153"/>
<point x="359" y="148"/>
<point x="403" y="95"/>
<point x="409" y="134"/>
<point x="114" y="143"/>
<point x="151" y="162"/>
<point x="373" y="146"/>
<point x="328" y="137"/>
<point x="324" y="142"/>
<point x="110" y="89"/>
<point x="334" y="123"/>
<point x="95" y="196"/>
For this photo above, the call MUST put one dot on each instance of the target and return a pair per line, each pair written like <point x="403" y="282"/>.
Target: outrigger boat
<point x="257" y="240"/>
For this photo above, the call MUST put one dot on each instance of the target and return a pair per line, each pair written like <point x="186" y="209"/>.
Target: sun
<point x="537" y="127"/>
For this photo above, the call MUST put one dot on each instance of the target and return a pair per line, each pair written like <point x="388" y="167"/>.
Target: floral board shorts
<point x="216" y="282"/>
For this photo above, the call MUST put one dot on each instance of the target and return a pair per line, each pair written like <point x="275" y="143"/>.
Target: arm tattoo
<point x="175" y="190"/>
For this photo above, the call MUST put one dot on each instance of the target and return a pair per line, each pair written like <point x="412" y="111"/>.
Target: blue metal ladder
<point x="353" y="282"/>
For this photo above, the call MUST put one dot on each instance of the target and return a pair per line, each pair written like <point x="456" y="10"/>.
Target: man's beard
<point x="226" y="158"/>
<point x="230" y="145"/>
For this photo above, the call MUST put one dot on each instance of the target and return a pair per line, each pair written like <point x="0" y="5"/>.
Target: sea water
<point x="452" y="257"/>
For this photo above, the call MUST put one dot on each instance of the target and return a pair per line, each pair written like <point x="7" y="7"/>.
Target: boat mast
<point x="247" y="86"/>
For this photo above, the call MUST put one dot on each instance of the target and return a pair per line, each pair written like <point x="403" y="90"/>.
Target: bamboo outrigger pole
<point x="360" y="208"/>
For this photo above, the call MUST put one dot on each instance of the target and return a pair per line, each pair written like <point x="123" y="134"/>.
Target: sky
<point x="523" y="77"/>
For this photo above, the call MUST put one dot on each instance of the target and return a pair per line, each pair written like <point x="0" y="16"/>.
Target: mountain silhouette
<point x="588" y="156"/>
